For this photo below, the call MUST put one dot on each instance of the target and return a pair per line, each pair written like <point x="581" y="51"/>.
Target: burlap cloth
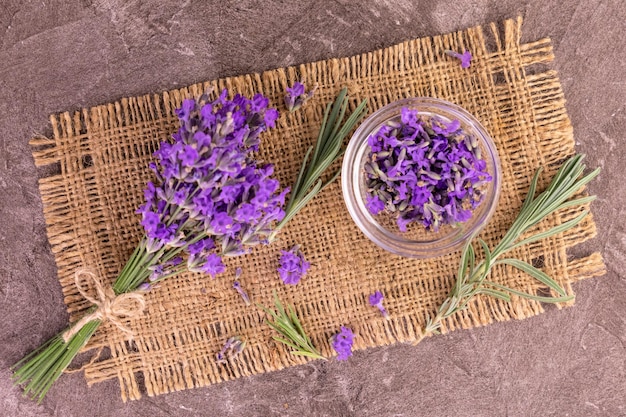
<point x="101" y="156"/>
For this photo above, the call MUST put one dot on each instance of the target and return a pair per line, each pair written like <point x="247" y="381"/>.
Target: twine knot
<point x="109" y="307"/>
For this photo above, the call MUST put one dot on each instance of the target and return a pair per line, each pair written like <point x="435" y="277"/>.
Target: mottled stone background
<point x="63" y="55"/>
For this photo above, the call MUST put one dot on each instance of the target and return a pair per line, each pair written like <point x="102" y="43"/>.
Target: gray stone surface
<point x="61" y="55"/>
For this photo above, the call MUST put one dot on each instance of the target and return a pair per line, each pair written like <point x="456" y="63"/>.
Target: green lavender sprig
<point x="328" y="149"/>
<point x="472" y="278"/>
<point x="286" y="323"/>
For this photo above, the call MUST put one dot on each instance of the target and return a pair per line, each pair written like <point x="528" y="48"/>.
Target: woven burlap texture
<point x="101" y="156"/>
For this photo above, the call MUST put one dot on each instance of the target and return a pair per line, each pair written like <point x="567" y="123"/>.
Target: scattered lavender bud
<point x="293" y="266"/>
<point x="296" y="96"/>
<point x="242" y="292"/>
<point x="465" y="57"/>
<point x="232" y="347"/>
<point x="376" y="300"/>
<point x="342" y="343"/>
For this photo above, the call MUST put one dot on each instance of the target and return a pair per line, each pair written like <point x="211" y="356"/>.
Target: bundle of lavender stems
<point x="211" y="199"/>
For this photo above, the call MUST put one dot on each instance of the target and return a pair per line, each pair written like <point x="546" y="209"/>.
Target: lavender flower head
<point x="242" y="292"/>
<point x="376" y="300"/>
<point x="296" y="96"/>
<point x="342" y="343"/>
<point x="293" y="266"/>
<point x="233" y="347"/>
<point x="211" y="198"/>
<point x="465" y="57"/>
<point x="424" y="169"/>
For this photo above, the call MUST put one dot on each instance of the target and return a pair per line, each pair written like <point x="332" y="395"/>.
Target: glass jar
<point x="424" y="243"/>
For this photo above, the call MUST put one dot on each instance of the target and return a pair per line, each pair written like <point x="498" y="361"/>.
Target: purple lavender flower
<point x="296" y="96"/>
<point x="465" y="57"/>
<point x="296" y="90"/>
<point x="247" y="213"/>
<point x="213" y="265"/>
<point x="242" y="292"/>
<point x="270" y="117"/>
<point x="200" y="246"/>
<point x="160" y="271"/>
<point x="374" y="204"/>
<point x="442" y="127"/>
<point x="409" y="116"/>
<point x="376" y="300"/>
<point x="342" y="343"/>
<point x="222" y="224"/>
<point x="233" y="346"/>
<point x="210" y="190"/>
<point x="188" y="156"/>
<point x="150" y="222"/>
<point x="184" y="112"/>
<point x="293" y="266"/>
<point x="424" y="169"/>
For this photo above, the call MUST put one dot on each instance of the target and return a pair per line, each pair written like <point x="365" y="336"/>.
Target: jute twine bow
<point x="110" y="307"/>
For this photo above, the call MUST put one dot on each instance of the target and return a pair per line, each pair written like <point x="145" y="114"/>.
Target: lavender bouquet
<point x="211" y="199"/>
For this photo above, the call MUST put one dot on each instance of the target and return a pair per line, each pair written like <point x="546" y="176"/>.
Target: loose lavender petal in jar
<point x="424" y="169"/>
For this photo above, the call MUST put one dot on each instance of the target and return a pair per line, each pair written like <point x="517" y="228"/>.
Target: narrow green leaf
<point x="296" y="322"/>
<point x="287" y="324"/>
<point x="530" y="296"/>
<point x="531" y="191"/>
<point x="332" y="137"/>
<point x="551" y="232"/>
<point x="298" y="182"/>
<point x="487" y="261"/>
<point x="536" y="273"/>
<point x="463" y="265"/>
<point x="300" y="205"/>
<point x="332" y="119"/>
<point x="285" y="342"/>
<point x="472" y="260"/>
<point x="320" y="135"/>
<point x="309" y="354"/>
<point x="495" y="293"/>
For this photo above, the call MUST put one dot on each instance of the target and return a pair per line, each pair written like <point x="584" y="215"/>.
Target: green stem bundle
<point x="286" y="323"/>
